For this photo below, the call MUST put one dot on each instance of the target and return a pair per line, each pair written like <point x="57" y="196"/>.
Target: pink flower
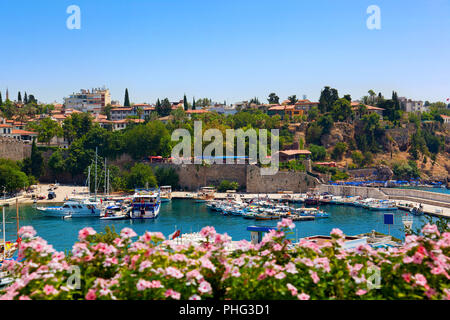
<point x="27" y="232"/>
<point x="83" y="233"/>
<point x="204" y="287"/>
<point x="277" y="247"/>
<point x="407" y="259"/>
<point x="292" y="289"/>
<point x="290" y="268"/>
<point x="173" y="294"/>
<point x="337" y="232"/>
<point x="361" y="292"/>
<point x="235" y="273"/>
<point x="91" y="295"/>
<point x="24" y="298"/>
<point x="430" y="229"/>
<point x="406" y="277"/>
<point x="417" y="258"/>
<point x="143" y="284"/>
<point x="195" y="297"/>
<point x="286" y="223"/>
<point x="127" y="233"/>
<point x="49" y="290"/>
<point x="208" y="232"/>
<point x="270" y="272"/>
<point x="303" y="296"/>
<point x="420" y="279"/>
<point x="280" y="276"/>
<point x="174" y="272"/>
<point x="314" y="276"/>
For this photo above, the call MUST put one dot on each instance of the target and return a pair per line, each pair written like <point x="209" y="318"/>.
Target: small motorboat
<point x="115" y="213"/>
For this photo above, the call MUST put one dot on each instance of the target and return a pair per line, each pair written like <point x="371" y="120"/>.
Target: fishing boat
<point x="74" y="208"/>
<point x="249" y="215"/>
<point x="312" y="200"/>
<point x="205" y="194"/>
<point x="266" y="217"/>
<point x="382" y="205"/>
<point x="146" y="204"/>
<point x="166" y="193"/>
<point x="417" y="211"/>
<point x="312" y="212"/>
<point x="115" y="213"/>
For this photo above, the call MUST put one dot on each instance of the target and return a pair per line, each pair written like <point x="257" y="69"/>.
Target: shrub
<point x="151" y="268"/>
<point x="227" y="185"/>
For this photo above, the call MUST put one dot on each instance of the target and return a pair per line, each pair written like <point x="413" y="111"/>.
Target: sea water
<point x="188" y="216"/>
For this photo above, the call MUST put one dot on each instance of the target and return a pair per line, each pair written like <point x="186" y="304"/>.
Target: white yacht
<point x="146" y="204"/>
<point x="73" y="208"/>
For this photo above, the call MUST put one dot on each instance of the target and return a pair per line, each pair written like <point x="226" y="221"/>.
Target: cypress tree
<point x="127" y="99"/>
<point x="185" y="103"/>
<point x="37" y="161"/>
<point x="1" y="100"/>
<point x="19" y="97"/>
<point x="193" y="103"/>
<point x="25" y="98"/>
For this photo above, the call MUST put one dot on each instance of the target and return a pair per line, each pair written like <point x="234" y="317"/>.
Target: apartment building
<point x="121" y="113"/>
<point x="413" y="106"/>
<point x="88" y="100"/>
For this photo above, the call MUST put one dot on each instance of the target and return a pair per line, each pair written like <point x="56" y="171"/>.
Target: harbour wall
<point x="192" y="177"/>
<point x="432" y="198"/>
<point x="353" y="191"/>
<point x="297" y="182"/>
<point x="13" y="149"/>
<point x="417" y="194"/>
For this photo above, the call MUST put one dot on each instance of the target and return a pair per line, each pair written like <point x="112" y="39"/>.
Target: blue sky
<point x="225" y="50"/>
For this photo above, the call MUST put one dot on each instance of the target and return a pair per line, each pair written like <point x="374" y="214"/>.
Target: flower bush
<point x="153" y="268"/>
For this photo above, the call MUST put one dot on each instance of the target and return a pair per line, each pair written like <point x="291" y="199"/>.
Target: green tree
<point x="193" y="104"/>
<point x="273" y="99"/>
<point x="19" y="97"/>
<point x="11" y="178"/>
<point x="167" y="177"/>
<point x="318" y="153"/>
<point x="313" y="133"/>
<point x="25" y="99"/>
<point x="126" y="102"/>
<point x="141" y="176"/>
<point x="165" y="108"/>
<point x="47" y="129"/>
<point x="107" y="111"/>
<point x="313" y="114"/>
<point x="339" y="149"/>
<point x="328" y="97"/>
<point x="292" y="99"/>
<point x="185" y="103"/>
<point x="342" y="110"/>
<point x="358" y="158"/>
<point x="37" y="161"/>
<point x="56" y="163"/>
<point x="151" y="139"/>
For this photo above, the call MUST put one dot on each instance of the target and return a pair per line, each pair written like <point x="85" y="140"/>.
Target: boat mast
<point x="95" y="186"/>
<point x="104" y="182"/>
<point x="89" y="180"/>
<point x="108" y="187"/>
<point x="4" y="234"/>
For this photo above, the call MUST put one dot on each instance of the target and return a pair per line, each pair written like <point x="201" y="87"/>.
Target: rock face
<point x="341" y="132"/>
<point x="401" y="137"/>
<point x="384" y="173"/>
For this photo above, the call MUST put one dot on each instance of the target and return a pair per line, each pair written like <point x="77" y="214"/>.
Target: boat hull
<point x="60" y="213"/>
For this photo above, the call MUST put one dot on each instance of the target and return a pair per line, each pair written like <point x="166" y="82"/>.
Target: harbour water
<point x="189" y="216"/>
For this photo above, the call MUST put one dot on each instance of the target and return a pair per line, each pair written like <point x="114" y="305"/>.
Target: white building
<point x="88" y="101"/>
<point x="413" y="106"/>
